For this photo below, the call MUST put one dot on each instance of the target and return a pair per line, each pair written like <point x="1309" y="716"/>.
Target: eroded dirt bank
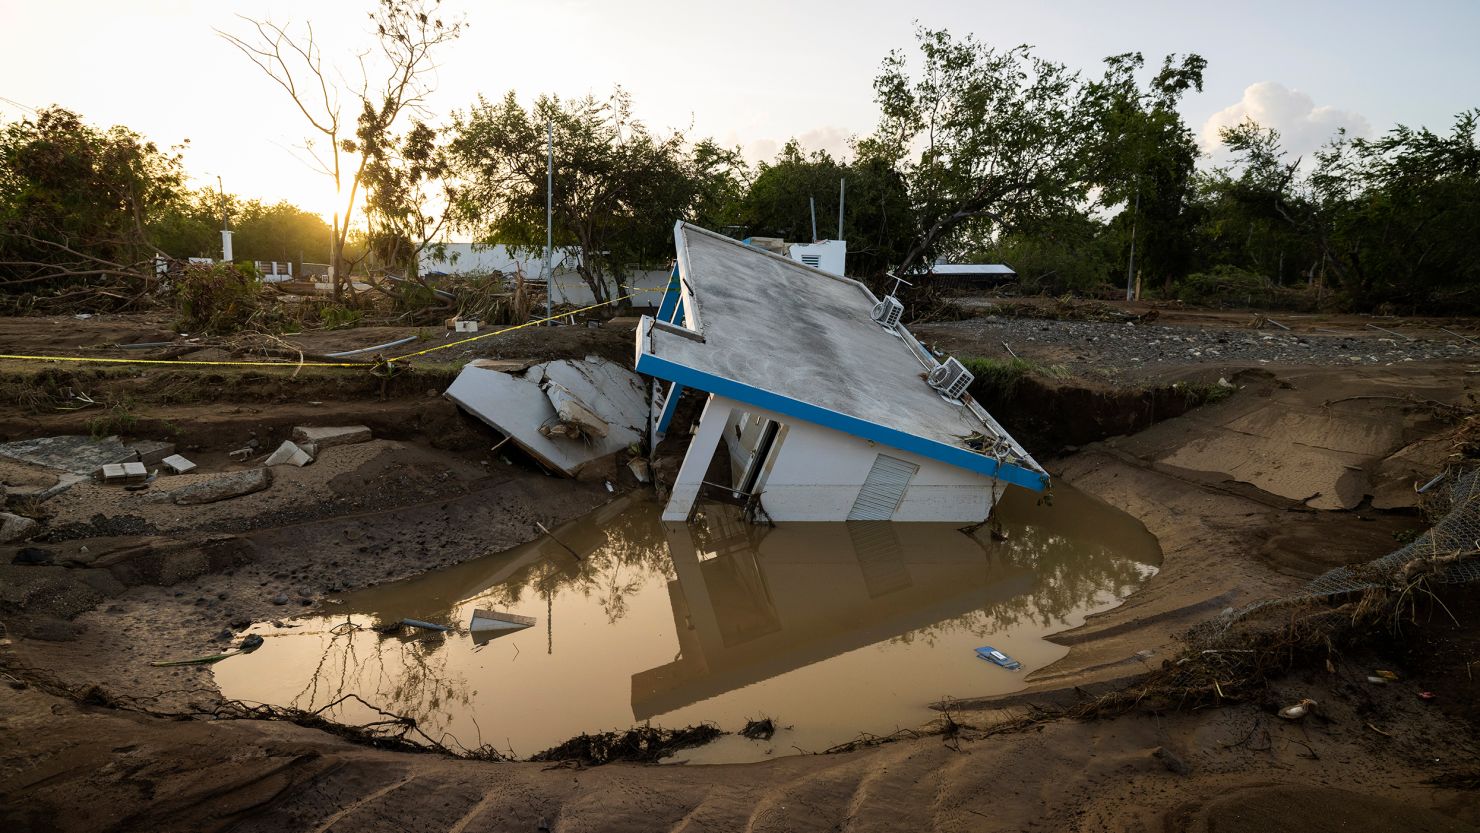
<point x="1301" y="469"/>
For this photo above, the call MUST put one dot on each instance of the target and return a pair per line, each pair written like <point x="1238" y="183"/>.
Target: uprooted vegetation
<point x="641" y="744"/>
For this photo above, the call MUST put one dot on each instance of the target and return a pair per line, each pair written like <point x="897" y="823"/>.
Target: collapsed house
<point x="820" y="405"/>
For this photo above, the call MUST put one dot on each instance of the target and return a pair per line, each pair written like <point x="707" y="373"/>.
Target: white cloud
<point x="1303" y="126"/>
<point x="834" y="140"/>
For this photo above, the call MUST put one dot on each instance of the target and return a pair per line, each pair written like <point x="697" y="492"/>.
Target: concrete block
<point x="226" y="486"/>
<point x="175" y="464"/>
<point x="123" y="472"/>
<point x="324" y="437"/>
<point x="152" y="452"/>
<point x="288" y="454"/>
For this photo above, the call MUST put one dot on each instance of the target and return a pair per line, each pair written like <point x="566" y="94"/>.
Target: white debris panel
<point x="602" y="407"/>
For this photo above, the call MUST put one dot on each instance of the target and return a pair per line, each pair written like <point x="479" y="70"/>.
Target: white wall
<point x="817" y="473"/>
<point x="831" y="255"/>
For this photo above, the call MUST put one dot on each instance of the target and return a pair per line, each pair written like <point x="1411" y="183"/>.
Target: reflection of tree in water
<point x="631" y="550"/>
<point x="407" y="675"/>
<point x="1070" y="574"/>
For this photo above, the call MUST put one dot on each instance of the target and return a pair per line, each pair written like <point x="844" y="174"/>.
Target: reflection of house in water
<point x="751" y="603"/>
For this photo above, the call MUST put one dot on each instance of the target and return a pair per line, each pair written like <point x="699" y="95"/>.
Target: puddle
<point x="832" y="630"/>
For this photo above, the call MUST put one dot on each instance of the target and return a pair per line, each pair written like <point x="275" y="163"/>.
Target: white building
<point x="825" y="413"/>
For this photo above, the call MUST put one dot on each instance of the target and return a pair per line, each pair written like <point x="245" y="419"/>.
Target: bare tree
<point x="392" y="77"/>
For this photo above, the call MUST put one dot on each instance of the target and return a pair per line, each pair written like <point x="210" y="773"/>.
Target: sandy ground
<point x="1306" y="466"/>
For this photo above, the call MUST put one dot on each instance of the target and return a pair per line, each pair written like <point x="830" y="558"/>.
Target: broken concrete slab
<point x="322" y="437"/>
<point x="152" y="452"/>
<point x="517" y="405"/>
<point x="640" y="469"/>
<point x="223" y="487"/>
<point x="576" y="417"/>
<point x="70" y="453"/>
<point x="16" y="527"/>
<point x="176" y="464"/>
<point x="288" y="454"/>
<point x="123" y="472"/>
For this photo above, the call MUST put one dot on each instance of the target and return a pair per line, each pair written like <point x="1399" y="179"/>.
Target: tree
<point x="395" y="79"/>
<point x="1143" y="156"/>
<point x="77" y="202"/>
<point x="618" y="188"/>
<point x="999" y="135"/>
<point x="878" y="224"/>
<point x="401" y="176"/>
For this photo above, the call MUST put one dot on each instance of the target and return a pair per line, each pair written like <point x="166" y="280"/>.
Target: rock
<point x="33" y="555"/>
<point x="280" y="599"/>
<point x="16" y="527"/>
<point x="288" y="454"/>
<point x="328" y="436"/>
<point x="1171" y="761"/>
<point x="55" y="630"/>
<point x="226" y="486"/>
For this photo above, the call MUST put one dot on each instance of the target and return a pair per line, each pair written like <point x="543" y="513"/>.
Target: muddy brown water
<point x="832" y="630"/>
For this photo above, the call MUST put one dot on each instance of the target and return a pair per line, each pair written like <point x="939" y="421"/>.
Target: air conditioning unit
<point x="888" y="312"/>
<point x="950" y="379"/>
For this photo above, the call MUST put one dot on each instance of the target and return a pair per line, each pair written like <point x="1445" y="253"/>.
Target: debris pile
<point x="572" y="416"/>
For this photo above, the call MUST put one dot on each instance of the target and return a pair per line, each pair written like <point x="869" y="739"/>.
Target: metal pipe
<point x="812" y="201"/>
<point x="389" y="344"/>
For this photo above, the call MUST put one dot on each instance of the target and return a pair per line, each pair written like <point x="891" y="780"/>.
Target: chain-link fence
<point x="1450" y="549"/>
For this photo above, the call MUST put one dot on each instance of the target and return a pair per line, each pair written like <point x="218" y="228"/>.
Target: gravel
<point x="1130" y="349"/>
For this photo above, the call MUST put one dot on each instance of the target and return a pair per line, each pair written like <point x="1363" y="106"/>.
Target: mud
<point x="1308" y="466"/>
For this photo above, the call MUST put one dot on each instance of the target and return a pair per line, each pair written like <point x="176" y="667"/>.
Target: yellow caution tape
<point x="179" y="362"/>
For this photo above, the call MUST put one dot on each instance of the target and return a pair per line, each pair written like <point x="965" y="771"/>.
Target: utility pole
<point x="812" y="201"/>
<point x="1130" y="269"/>
<point x="549" y="220"/>
<point x="842" y="189"/>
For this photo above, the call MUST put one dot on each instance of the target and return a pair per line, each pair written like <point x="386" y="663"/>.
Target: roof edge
<point x="656" y="366"/>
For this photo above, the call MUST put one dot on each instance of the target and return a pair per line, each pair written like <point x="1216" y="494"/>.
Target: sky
<point x="750" y="75"/>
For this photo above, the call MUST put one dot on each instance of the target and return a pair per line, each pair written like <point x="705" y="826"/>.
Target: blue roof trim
<point x="670" y="297"/>
<point x="670" y="406"/>
<point x="952" y="455"/>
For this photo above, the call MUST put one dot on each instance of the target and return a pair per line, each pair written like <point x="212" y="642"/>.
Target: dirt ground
<point x="1305" y="466"/>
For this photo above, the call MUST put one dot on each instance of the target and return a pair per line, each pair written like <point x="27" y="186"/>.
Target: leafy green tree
<point x="618" y="187"/>
<point x="77" y="202"/>
<point x="878" y="224"/>
<point x="1142" y="156"/>
<point x="989" y="140"/>
<point x="1400" y="213"/>
<point x="408" y="194"/>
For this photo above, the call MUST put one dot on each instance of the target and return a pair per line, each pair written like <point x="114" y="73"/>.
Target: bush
<point x="1230" y="286"/>
<point x="218" y="299"/>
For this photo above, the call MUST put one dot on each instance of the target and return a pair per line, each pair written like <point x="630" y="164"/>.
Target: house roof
<point x="972" y="269"/>
<point x="769" y="331"/>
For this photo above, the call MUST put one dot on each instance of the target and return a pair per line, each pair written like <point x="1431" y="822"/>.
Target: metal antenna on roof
<point x="894" y="291"/>
<point x="812" y="201"/>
